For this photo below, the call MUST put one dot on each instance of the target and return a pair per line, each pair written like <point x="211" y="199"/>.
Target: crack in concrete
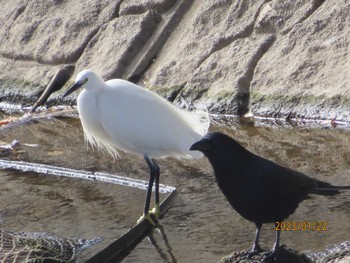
<point x="116" y="12"/>
<point x="145" y="6"/>
<point x="144" y="58"/>
<point x="19" y="11"/>
<point x="148" y="24"/>
<point x="73" y="58"/>
<point x="78" y="53"/>
<point x="316" y="4"/>
<point x="244" y="82"/>
<point x="76" y="56"/>
<point x="245" y="32"/>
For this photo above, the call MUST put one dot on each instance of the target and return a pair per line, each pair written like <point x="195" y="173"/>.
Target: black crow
<point x="258" y="189"/>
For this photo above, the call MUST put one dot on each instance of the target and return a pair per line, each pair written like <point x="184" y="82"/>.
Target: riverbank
<point x="267" y="59"/>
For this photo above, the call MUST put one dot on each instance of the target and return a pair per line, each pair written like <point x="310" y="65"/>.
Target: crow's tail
<point x="324" y="188"/>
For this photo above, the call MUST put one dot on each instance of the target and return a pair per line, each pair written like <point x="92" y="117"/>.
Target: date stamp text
<point x="301" y="226"/>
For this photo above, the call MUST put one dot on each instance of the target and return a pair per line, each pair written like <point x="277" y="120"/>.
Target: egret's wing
<point x="142" y="122"/>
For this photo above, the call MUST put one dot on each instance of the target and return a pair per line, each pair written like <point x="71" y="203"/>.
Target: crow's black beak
<point x="73" y="88"/>
<point x="202" y="146"/>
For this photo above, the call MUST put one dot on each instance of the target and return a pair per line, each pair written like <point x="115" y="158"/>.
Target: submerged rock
<point x="284" y="255"/>
<point x="336" y="254"/>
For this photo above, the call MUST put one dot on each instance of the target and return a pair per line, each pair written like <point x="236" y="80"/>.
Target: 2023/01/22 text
<point x="301" y="226"/>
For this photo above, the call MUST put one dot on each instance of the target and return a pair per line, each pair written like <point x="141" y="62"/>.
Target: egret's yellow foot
<point x="147" y="217"/>
<point x="156" y="211"/>
<point x="153" y="214"/>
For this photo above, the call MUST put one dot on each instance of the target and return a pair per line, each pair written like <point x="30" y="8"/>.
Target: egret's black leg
<point x="149" y="193"/>
<point x="256" y="248"/>
<point x="156" y="183"/>
<point x="154" y="175"/>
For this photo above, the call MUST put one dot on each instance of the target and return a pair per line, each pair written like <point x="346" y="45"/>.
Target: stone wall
<point x="271" y="58"/>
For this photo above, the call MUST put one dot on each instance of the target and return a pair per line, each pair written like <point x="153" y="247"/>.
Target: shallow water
<point x="200" y="225"/>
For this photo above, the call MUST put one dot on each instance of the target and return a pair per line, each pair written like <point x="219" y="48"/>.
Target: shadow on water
<point x="200" y="226"/>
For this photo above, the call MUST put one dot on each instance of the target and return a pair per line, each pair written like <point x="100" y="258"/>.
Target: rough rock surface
<point x="336" y="254"/>
<point x="272" y="58"/>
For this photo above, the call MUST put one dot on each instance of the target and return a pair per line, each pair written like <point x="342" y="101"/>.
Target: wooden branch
<point x="124" y="244"/>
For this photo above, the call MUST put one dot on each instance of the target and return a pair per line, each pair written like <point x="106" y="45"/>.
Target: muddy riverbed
<point x="200" y="225"/>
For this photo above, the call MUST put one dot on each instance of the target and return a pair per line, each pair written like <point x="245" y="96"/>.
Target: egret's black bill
<point x="72" y="89"/>
<point x="202" y="145"/>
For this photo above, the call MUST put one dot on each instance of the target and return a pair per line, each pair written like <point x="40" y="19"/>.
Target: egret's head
<point x="86" y="79"/>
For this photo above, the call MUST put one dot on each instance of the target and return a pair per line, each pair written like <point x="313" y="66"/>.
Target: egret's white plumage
<point x="118" y="114"/>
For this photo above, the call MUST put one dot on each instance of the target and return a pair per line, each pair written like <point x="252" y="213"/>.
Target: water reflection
<point x="166" y="255"/>
<point x="200" y="225"/>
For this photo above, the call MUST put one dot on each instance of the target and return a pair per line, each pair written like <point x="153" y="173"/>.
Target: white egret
<point x="118" y="114"/>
